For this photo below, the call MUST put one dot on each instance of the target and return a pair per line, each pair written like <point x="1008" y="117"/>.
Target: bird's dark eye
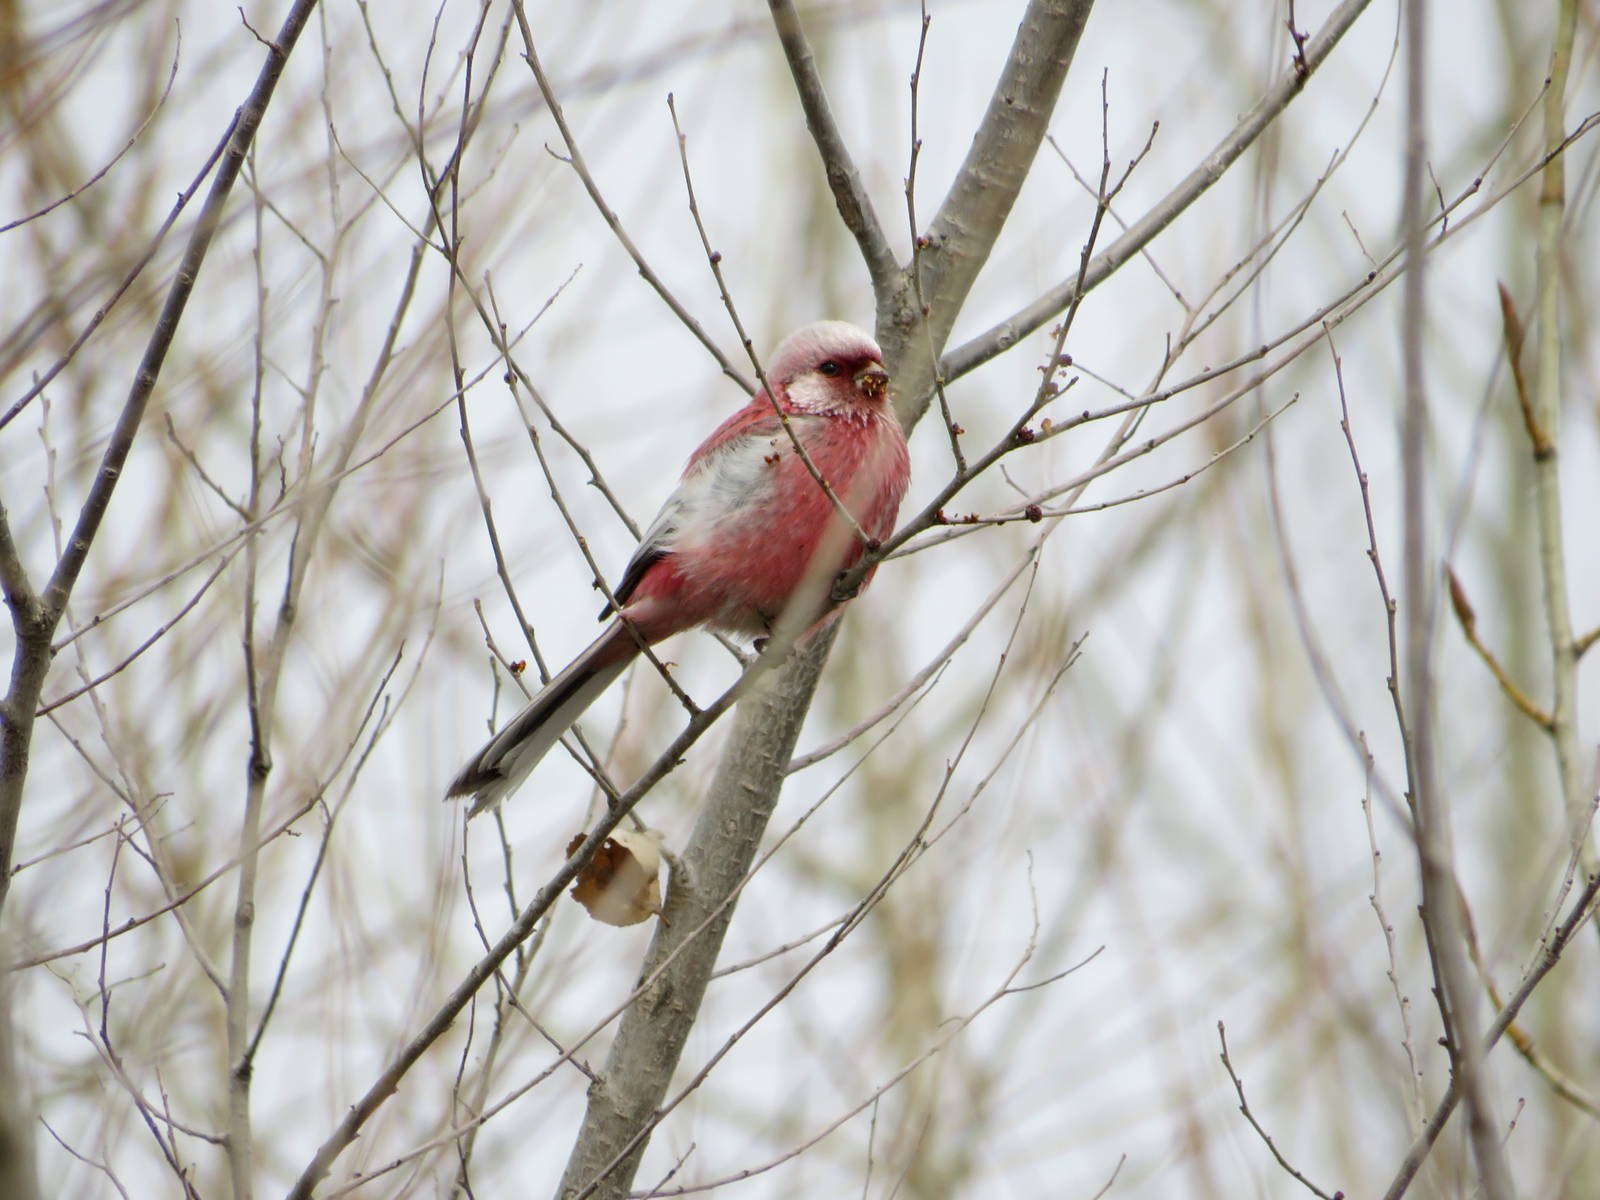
<point x="829" y="368"/>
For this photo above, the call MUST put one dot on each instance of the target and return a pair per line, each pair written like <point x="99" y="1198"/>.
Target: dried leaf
<point x="622" y="883"/>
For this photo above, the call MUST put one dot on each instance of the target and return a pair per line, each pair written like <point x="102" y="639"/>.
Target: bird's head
<point x="830" y="366"/>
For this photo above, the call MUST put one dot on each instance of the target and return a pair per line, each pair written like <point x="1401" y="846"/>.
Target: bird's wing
<point x="748" y="426"/>
<point x="650" y="552"/>
<point x="755" y="420"/>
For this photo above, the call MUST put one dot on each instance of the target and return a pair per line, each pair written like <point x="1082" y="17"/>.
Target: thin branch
<point x="1144" y="253"/>
<point x="85" y="1159"/>
<point x="969" y="219"/>
<point x="1468" y="620"/>
<point x="576" y="161"/>
<point x="844" y="181"/>
<point x="1582" y="644"/>
<point x="1244" y="1107"/>
<point x="1546" y="421"/>
<point x="1549" y="954"/>
<point x="133" y="138"/>
<point x="1392" y="972"/>
<point x="920" y="243"/>
<point x="1108" y="461"/>
<point x="43" y="380"/>
<point x="161" y="631"/>
<point x="1007" y="333"/>
<point x="380" y="722"/>
<point x="1560" y="1083"/>
<point x="31" y="656"/>
<point x="193" y="459"/>
<point x="801" y="761"/>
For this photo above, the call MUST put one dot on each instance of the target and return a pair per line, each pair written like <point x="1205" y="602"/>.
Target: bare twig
<point x="801" y="761"/>
<point x="1401" y="1000"/>
<point x="918" y="244"/>
<point x="1584" y="643"/>
<point x="1544" y="427"/>
<point x="1385" y="596"/>
<point x="1007" y="333"/>
<point x="35" y="619"/>
<point x="576" y="161"/>
<point x="133" y="138"/>
<point x="1548" y="955"/>
<point x="105" y="1170"/>
<point x="1560" y="1082"/>
<point x="1244" y="1107"/>
<point x="45" y="377"/>
<point x="1468" y="620"/>
<point x="160" y="631"/>
<point x="844" y="181"/>
<point x="969" y="219"/>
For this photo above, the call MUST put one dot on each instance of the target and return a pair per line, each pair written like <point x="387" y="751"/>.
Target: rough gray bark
<point x="624" y="1099"/>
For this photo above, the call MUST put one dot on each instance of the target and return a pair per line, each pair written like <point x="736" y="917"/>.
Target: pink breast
<point x="741" y="577"/>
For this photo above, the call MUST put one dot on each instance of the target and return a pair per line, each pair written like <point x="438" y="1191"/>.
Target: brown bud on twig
<point x="1459" y="602"/>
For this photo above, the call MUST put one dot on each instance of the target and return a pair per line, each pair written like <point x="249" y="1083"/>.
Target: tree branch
<point x="964" y="230"/>
<point x="1441" y="909"/>
<point x="575" y="160"/>
<point x="1007" y="333"/>
<point x="18" y="1176"/>
<point x="31" y="656"/>
<point x="1546" y="412"/>
<point x="1550" y="951"/>
<point x="722" y="847"/>
<point x="855" y="206"/>
<point x="653" y="1032"/>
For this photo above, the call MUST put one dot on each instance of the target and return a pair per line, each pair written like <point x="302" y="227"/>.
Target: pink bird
<point x="748" y="530"/>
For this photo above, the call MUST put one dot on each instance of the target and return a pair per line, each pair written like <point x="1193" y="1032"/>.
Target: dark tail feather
<point x="496" y="771"/>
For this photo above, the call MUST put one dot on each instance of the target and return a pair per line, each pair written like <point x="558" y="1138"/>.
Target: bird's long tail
<point x="494" y="772"/>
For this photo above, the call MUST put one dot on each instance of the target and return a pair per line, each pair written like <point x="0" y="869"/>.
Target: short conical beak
<point x="873" y="381"/>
